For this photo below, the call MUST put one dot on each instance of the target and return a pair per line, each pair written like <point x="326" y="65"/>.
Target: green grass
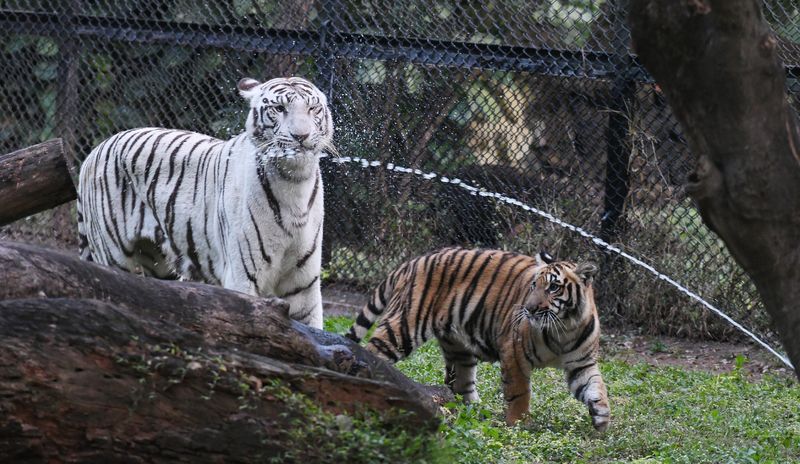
<point x="659" y="414"/>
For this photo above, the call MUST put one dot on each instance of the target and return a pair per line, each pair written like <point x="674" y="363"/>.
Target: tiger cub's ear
<point x="543" y="258"/>
<point x="586" y="272"/>
<point x="246" y="87"/>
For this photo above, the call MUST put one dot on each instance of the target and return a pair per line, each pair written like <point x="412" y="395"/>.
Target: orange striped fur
<point x="491" y="305"/>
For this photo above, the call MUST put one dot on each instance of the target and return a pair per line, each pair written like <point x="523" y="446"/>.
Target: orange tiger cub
<point x="491" y="305"/>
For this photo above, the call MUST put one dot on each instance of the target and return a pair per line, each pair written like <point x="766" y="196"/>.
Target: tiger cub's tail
<point x="374" y="308"/>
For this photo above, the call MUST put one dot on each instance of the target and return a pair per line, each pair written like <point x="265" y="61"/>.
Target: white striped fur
<point x="245" y="213"/>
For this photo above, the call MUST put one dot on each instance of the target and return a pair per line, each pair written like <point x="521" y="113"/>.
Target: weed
<point x="657" y="346"/>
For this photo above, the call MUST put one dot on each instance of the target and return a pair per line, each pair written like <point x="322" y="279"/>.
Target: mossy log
<point x="100" y="364"/>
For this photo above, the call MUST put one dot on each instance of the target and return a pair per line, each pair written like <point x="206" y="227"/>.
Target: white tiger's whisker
<point x="331" y="148"/>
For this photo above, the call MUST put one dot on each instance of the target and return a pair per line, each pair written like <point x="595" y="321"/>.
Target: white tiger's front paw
<point x="315" y="320"/>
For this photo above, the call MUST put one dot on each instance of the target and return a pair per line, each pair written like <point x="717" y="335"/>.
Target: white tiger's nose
<point x="300" y="137"/>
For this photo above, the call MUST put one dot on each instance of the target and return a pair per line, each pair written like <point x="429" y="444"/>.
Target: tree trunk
<point x="717" y="63"/>
<point x="99" y="364"/>
<point x="32" y="180"/>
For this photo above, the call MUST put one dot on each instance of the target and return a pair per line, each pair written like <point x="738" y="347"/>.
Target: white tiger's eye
<point x="265" y="101"/>
<point x="280" y="109"/>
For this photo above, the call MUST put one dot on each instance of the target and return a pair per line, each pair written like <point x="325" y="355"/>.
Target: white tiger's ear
<point x="246" y="87"/>
<point x="586" y="272"/>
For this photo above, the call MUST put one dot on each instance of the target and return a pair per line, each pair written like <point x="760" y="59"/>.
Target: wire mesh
<point x="538" y="100"/>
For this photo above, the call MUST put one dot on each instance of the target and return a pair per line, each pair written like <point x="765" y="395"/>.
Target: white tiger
<point x="245" y="213"/>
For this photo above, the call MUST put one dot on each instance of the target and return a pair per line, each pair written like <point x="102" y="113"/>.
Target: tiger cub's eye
<point x="553" y="287"/>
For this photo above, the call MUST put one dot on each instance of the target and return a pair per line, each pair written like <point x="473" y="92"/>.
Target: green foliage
<point x="657" y="346"/>
<point x="121" y="86"/>
<point x="679" y="245"/>
<point x="319" y="436"/>
<point x="659" y="414"/>
<point x="338" y="324"/>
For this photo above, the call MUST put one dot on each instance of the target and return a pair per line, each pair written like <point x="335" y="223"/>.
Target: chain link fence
<point x="538" y="100"/>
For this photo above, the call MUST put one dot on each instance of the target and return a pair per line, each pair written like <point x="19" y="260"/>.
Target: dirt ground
<point x="717" y="357"/>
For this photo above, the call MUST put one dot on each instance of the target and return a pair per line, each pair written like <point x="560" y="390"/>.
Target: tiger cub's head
<point x="561" y="295"/>
<point x="287" y="115"/>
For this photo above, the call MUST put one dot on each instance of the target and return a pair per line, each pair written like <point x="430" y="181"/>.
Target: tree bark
<point x="717" y="63"/>
<point x="32" y="180"/>
<point x="98" y="363"/>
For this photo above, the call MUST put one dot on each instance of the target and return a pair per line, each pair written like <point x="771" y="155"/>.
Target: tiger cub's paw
<point x="601" y="414"/>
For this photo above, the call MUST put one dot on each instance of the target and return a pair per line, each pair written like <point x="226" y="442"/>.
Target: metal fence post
<point x="329" y="16"/>
<point x="67" y="97"/>
<point x="617" y="183"/>
<point x="326" y="68"/>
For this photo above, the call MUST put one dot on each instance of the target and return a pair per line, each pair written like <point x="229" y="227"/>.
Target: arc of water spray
<point x="475" y="190"/>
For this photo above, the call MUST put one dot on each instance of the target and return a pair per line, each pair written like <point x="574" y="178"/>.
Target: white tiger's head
<point x="287" y="115"/>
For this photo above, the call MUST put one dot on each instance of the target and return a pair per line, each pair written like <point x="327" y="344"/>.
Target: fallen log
<point x="86" y="380"/>
<point x="257" y="325"/>
<point x="77" y="338"/>
<point x="34" y="179"/>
